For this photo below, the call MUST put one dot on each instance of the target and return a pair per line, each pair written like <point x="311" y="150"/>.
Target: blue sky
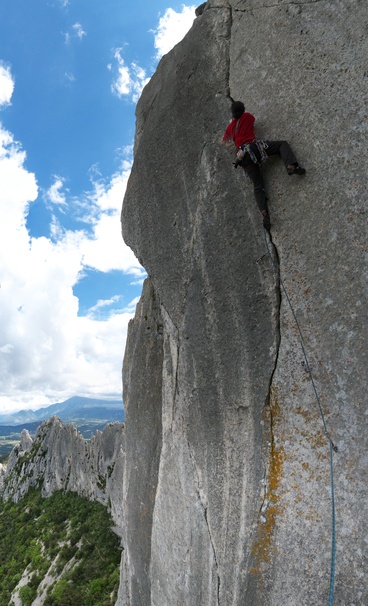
<point x="71" y="72"/>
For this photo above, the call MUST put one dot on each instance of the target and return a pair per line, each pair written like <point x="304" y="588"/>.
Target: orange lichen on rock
<point x="262" y="548"/>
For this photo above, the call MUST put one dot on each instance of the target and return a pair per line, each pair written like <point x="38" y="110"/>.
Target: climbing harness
<point x="250" y="148"/>
<point x="333" y="448"/>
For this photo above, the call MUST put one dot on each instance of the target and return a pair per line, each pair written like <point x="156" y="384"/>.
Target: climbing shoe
<point x="296" y="170"/>
<point x="266" y="220"/>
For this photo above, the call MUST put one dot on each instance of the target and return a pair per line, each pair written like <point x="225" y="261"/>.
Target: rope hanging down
<point x="333" y="448"/>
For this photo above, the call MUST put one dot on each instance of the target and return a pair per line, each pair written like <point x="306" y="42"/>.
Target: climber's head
<point x="237" y="109"/>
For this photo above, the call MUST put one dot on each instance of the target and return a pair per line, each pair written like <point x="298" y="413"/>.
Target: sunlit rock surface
<point x="227" y="476"/>
<point x="60" y="458"/>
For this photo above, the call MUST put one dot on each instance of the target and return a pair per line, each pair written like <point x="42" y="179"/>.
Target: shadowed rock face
<point x="143" y="392"/>
<point x="227" y="467"/>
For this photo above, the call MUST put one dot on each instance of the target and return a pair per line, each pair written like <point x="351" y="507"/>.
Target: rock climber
<point x="252" y="152"/>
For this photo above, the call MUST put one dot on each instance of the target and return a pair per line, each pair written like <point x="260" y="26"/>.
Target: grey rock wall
<point x="143" y="406"/>
<point x="60" y="458"/>
<point x="229" y="492"/>
<point x="2" y="475"/>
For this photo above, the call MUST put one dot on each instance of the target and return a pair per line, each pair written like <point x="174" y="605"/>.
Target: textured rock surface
<point x="2" y="475"/>
<point x="60" y="458"/>
<point x="143" y="400"/>
<point x="236" y="460"/>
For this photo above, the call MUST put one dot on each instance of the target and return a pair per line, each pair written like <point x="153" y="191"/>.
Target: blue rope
<point x="333" y="546"/>
<point x="333" y="448"/>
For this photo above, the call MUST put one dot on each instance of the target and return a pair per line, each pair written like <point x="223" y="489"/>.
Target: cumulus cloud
<point x="106" y="251"/>
<point x="47" y="351"/>
<point x="6" y="85"/>
<point x="130" y="79"/>
<point x="18" y="186"/>
<point x="172" y="28"/>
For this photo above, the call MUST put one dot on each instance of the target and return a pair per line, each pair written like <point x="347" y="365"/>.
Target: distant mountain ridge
<point x="76" y="408"/>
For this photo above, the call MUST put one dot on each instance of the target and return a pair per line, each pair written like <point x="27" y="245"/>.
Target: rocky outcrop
<point x="227" y="477"/>
<point x="60" y="458"/>
<point x="2" y="476"/>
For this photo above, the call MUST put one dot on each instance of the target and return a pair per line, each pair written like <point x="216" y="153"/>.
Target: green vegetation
<point x="4" y="457"/>
<point x="28" y="456"/>
<point x="68" y="537"/>
<point x="6" y="446"/>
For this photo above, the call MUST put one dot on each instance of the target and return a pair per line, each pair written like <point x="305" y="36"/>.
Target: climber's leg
<point x="283" y="149"/>
<point x="255" y="174"/>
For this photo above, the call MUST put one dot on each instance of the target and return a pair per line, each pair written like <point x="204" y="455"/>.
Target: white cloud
<point x="18" y="187"/>
<point x="7" y="348"/>
<point x="101" y="303"/>
<point x="47" y="351"/>
<point x="6" y="85"/>
<point x="130" y="80"/>
<point x="132" y="305"/>
<point x="172" y="28"/>
<point x="69" y="77"/>
<point x="107" y="250"/>
<point x="54" y="194"/>
<point x="78" y="30"/>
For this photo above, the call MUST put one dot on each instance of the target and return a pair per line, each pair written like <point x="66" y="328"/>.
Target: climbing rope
<point x="333" y="448"/>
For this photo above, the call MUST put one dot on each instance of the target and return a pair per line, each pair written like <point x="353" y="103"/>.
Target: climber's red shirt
<point x="244" y="133"/>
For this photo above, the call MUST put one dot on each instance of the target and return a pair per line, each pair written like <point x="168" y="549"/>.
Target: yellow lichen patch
<point x="305" y="412"/>
<point x="318" y="440"/>
<point x="262" y="548"/>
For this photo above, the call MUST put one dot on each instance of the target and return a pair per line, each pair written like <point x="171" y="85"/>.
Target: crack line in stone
<point x="248" y="10"/>
<point x="205" y="515"/>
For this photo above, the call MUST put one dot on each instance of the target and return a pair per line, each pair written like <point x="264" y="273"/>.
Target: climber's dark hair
<point x="237" y="109"/>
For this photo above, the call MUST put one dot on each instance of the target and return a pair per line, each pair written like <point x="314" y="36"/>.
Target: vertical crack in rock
<point x="273" y="453"/>
<point x="170" y="368"/>
<point x="228" y="94"/>
<point x="275" y="261"/>
<point x="202" y="499"/>
<point x="142" y="388"/>
<point x="199" y="273"/>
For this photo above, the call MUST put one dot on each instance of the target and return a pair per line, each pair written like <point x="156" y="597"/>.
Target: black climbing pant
<point x="254" y="171"/>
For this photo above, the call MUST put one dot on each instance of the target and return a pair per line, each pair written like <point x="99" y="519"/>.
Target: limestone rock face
<point x="60" y="458"/>
<point x="2" y="475"/>
<point x="227" y="477"/>
<point x="143" y="393"/>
